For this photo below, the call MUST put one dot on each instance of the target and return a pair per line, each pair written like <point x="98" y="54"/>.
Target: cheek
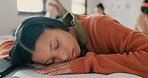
<point x="40" y="55"/>
<point x="43" y="54"/>
<point x="39" y="58"/>
<point x="65" y="42"/>
<point x="63" y="46"/>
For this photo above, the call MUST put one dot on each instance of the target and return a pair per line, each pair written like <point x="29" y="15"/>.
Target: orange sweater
<point x="5" y="48"/>
<point x="113" y="48"/>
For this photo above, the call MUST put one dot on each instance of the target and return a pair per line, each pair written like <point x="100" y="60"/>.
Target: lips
<point x="73" y="55"/>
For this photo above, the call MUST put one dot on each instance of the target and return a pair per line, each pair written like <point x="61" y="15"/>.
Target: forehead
<point x="44" y="39"/>
<point x="42" y="46"/>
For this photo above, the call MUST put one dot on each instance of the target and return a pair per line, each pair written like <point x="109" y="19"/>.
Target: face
<point x="99" y="10"/>
<point x="54" y="46"/>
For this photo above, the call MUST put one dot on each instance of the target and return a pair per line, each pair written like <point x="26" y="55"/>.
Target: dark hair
<point x="144" y="9"/>
<point x="145" y="1"/>
<point x="27" y="35"/>
<point x="100" y="5"/>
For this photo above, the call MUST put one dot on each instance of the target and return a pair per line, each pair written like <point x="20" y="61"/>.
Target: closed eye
<point x="57" y="44"/>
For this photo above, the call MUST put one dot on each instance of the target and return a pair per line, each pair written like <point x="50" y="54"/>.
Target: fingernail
<point x="39" y="70"/>
<point x="52" y="74"/>
<point x="42" y="72"/>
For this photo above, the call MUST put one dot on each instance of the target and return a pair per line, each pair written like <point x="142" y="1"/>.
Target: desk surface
<point x="27" y="72"/>
<point x="14" y="71"/>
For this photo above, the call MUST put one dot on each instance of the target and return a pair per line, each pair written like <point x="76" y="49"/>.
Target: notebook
<point x="5" y="67"/>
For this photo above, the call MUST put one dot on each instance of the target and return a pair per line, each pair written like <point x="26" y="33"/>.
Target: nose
<point x="64" y="56"/>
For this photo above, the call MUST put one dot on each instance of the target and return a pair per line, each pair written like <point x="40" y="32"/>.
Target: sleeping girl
<point x="78" y="44"/>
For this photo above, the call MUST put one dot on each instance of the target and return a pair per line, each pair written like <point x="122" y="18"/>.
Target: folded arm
<point x="130" y="57"/>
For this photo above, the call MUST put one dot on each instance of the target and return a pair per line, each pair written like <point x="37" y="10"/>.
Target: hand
<point x="56" y="69"/>
<point x="38" y="66"/>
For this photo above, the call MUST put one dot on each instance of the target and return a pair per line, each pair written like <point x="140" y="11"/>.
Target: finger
<point x="60" y="72"/>
<point x="4" y="52"/>
<point x="53" y="69"/>
<point x="42" y="72"/>
<point x="39" y="66"/>
<point x="4" y="56"/>
<point x="56" y="66"/>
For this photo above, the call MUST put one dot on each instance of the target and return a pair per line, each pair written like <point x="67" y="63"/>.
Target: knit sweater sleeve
<point x="5" y="48"/>
<point x="130" y="51"/>
<point x="133" y="63"/>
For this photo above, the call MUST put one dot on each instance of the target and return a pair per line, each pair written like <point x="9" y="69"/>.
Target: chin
<point x="78" y="54"/>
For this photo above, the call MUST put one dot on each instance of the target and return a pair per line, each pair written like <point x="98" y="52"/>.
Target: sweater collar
<point x="70" y="19"/>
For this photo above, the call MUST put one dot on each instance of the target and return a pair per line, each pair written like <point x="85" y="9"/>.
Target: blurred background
<point x="13" y="12"/>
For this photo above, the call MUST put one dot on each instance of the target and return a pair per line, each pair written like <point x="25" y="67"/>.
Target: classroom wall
<point x="125" y="11"/>
<point x="9" y="18"/>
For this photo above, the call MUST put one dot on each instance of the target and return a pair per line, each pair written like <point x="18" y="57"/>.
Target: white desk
<point x="13" y="72"/>
<point x="27" y="72"/>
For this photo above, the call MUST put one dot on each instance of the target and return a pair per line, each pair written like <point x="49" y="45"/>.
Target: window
<point x="79" y="6"/>
<point x="30" y="6"/>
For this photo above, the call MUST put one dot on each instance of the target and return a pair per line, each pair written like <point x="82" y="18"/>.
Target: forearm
<point x="131" y="62"/>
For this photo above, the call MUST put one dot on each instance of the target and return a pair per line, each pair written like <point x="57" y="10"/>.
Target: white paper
<point x="31" y="73"/>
